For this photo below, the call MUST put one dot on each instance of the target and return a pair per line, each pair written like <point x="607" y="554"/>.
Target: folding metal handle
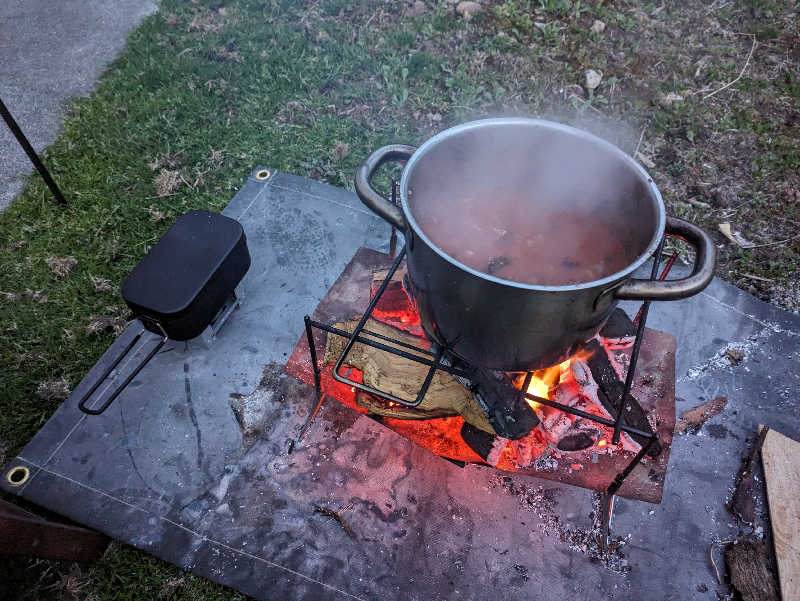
<point x="82" y="403"/>
<point x="702" y="272"/>
<point x="379" y="205"/>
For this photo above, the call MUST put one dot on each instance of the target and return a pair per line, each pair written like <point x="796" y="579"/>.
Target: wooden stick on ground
<point x="742" y="504"/>
<point x="781" y="458"/>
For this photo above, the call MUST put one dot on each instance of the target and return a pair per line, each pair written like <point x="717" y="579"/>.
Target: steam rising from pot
<point x="531" y="205"/>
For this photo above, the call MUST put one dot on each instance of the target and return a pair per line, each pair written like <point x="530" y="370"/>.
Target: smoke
<point x="524" y="177"/>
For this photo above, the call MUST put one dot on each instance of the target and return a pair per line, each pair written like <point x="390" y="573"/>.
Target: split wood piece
<point x="619" y="325"/>
<point x="335" y="516"/>
<point x="610" y="390"/>
<point x="781" y="458"/>
<point x="378" y="406"/>
<point x="509" y="413"/>
<point x="380" y="275"/>
<point x="750" y="576"/>
<point x="23" y="533"/>
<point x="697" y="416"/>
<point x="403" y="377"/>
<point x="742" y="503"/>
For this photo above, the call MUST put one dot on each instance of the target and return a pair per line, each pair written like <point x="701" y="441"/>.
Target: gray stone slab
<point x="167" y="470"/>
<point x="51" y="52"/>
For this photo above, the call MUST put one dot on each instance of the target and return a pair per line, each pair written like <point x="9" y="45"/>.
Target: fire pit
<point x="570" y="408"/>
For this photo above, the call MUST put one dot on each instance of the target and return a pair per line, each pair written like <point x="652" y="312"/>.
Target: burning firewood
<point x="494" y="392"/>
<point x="403" y="378"/>
<point x="610" y="390"/>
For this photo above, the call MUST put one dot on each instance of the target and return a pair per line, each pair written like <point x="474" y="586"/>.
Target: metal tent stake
<point x="26" y="146"/>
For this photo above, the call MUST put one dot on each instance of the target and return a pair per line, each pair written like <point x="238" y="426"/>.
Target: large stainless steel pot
<point x="506" y="325"/>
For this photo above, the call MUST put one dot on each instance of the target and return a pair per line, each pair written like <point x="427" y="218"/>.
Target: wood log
<point x="619" y="325"/>
<point x="748" y="570"/>
<point x="493" y="391"/>
<point x="693" y="418"/>
<point x="380" y="275"/>
<point x="402" y="377"/>
<point x="743" y="502"/>
<point x="610" y="389"/>
<point x="781" y="458"/>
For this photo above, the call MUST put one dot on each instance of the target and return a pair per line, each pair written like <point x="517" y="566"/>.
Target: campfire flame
<point x="542" y="380"/>
<point x="570" y="383"/>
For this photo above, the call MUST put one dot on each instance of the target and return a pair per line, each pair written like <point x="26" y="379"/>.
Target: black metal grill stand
<point x="432" y="359"/>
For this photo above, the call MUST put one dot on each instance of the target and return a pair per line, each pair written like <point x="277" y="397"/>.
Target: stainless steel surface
<point x="502" y="324"/>
<point x="702" y="271"/>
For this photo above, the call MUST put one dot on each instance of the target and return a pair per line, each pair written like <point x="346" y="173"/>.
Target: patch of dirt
<point x="117" y="321"/>
<point x="54" y="390"/>
<point x="166" y="182"/>
<point x="61" y="266"/>
<point x="101" y="284"/>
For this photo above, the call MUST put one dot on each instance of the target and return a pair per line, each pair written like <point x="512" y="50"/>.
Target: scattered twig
<point x="758" y="278"/>
<point x="698" y="203"/>
<point x="100" y="227"/>
<point x="335" y="515"/>
<point x="738" y="77"/>
<point x="742" y="504"/>
<point x="694" y="418"/>
<point x="779" y="243"/>
<point x="711" y="556"/>
<point x="641" y="137"/>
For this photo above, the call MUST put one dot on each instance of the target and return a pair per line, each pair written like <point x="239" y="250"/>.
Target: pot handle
<point x="379" y="205"/>
<point x="703" y="271"/>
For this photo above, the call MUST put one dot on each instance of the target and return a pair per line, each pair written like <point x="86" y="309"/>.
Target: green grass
<point x="203" y="92"/>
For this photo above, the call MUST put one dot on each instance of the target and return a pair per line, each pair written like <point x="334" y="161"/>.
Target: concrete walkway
<point x="51" y="52"/>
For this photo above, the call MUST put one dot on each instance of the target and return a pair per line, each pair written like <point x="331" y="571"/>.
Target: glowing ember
<point x="569" y="383"/>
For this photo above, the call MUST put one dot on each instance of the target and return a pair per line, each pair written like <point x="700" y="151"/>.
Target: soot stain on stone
<point x="717" y="430"/>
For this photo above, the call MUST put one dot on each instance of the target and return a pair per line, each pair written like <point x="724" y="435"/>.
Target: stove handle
<point x="702" y="272"/>
<point x="82" y="404"/>
<point x="377" y="203"/>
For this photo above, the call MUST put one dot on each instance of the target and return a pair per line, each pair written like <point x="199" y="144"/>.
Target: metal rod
<point x="308" y="421"/>
<point x="312" y="349"/>
<point x="390" y="349"/>
<point x="429" y="377"/>
<point x="620" y="478"/>
<point x="590" y="416"/>
<point x="395" y="341"/>
<point x="667" y="267"/>
<point x="623" y="402"/>
<point x="393" y="236"/>
<point x="34" y="158"/>
<point x="82" y="403"/>
<point x="606" y="509"/>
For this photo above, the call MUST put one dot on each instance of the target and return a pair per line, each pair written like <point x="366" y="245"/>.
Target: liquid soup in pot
<point x="519" y="241"/>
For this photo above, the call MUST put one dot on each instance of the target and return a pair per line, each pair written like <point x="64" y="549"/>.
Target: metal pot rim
<point x="429" y="144"/>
